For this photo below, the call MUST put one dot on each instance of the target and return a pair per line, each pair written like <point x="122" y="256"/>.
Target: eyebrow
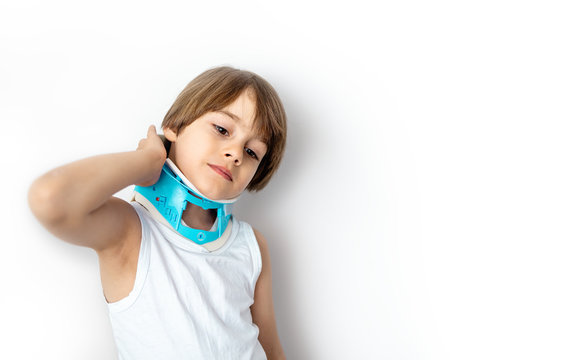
<point x="231" y="115"/>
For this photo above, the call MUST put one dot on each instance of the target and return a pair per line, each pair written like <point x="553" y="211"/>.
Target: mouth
<point x="222" y="171"/>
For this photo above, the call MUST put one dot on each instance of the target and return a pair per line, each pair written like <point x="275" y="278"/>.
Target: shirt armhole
<point x="142" y="267"/>
<point x="256" y="255"/>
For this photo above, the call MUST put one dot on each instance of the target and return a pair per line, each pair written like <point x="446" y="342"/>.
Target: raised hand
<point x="153" y="147"/>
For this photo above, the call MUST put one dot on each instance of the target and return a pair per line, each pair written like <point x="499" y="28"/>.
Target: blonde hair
<point x="215" y="89"/>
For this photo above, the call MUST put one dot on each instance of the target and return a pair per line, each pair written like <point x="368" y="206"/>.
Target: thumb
<point x="151" y="131"/>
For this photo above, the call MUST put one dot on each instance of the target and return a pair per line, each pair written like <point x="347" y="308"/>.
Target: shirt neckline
<point x="187" y="244"/>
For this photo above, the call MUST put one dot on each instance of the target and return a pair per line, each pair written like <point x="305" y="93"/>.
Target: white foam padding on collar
<point x="192" y="187"/>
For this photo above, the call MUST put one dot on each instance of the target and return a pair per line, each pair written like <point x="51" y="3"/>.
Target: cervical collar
<point x="170" y="195"/>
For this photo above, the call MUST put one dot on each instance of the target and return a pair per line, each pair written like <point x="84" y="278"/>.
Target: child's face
<point x="217" y="141"/>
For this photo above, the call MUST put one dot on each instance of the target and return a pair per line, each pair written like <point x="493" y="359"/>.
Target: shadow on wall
<point x="267" y="211"/>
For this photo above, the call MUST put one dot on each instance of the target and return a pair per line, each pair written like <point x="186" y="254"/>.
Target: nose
<point x="233" y="155"/>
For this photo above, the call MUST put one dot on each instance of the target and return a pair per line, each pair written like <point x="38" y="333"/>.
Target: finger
<point x="151" y="131"/>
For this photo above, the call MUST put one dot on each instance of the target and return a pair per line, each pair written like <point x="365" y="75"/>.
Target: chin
<point x="213" y="194"/>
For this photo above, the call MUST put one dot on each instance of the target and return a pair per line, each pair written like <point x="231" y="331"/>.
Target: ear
<point x="169" y="134"/>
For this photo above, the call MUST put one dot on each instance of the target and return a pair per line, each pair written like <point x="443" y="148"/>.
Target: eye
<point x="221" y="130"/>
<point x="251" y="153"/>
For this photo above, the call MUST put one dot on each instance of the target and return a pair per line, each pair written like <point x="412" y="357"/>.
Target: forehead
<point x="243" y="110"/>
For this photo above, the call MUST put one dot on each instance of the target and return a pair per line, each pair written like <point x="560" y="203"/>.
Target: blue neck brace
<point x="170" y="196"/>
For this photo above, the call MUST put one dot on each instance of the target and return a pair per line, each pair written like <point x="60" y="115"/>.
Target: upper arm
<point x="104" y="228"/>
<point x="114" y="231"/>
<point x="262" y="309"/>
<point x="99" y="229"/>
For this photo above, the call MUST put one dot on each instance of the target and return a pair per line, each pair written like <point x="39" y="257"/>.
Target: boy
<point x="171" y="295"/>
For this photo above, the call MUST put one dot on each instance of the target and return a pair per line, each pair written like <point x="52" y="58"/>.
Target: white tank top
<point x="187" y="302"/>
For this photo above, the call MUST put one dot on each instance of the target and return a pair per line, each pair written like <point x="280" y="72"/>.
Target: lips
<point x="222" y="171"/>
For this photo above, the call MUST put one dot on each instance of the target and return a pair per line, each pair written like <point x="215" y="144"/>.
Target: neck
<point x="199" y="218"/>
<point x="196" y="217"/>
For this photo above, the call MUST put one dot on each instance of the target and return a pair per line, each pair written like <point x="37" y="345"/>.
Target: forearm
<point x="78" y="188"/>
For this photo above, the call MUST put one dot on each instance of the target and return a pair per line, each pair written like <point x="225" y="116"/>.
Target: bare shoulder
<point x="125" y="228"/>
<point x="260" y="238"/>
<point x="264" y="280"/>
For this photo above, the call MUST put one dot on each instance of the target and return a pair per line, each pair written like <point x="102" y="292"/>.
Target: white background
<point x="430" y="202"/>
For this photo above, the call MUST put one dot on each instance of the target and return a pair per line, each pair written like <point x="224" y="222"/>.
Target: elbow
<point x="43" y="200"/>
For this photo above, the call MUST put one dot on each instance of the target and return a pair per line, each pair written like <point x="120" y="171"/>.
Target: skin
<point x="75" y="202"/>
<point x="227" y="139"/>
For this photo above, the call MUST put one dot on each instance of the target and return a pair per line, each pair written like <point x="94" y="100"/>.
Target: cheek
<point x="195" y="147"/>
<point x="249" y="173"/>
